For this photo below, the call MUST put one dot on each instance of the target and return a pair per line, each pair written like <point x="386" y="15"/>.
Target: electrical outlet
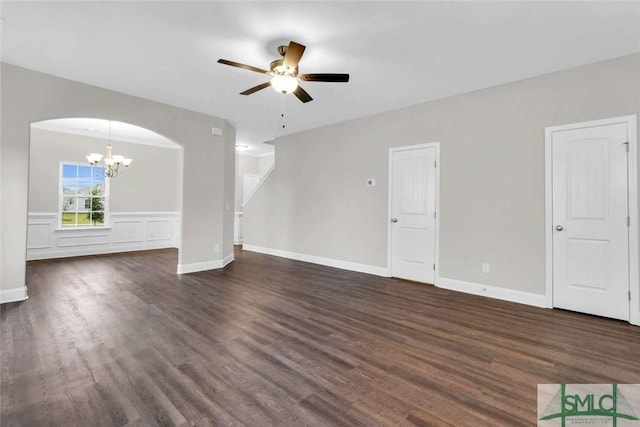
<point x="485" y="267"/>
<point x="216" y="248"/>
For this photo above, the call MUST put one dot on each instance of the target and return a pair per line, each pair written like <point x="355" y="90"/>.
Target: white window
<point x="83" y="196"/>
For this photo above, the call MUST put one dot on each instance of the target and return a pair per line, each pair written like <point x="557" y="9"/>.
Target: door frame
<point x="436" y="252"/>
<point x="632" y="190"/>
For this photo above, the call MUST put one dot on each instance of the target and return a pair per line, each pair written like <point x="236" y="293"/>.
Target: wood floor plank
<point x="121" y="340"/>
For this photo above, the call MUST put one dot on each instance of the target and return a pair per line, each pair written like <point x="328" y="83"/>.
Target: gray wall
<point x="150" y="184"/>
<point x="492" y="202"/>
<point x="29" y="96"/>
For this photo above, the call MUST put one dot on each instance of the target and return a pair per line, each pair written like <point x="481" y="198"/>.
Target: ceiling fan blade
<point x="325" y="77"/>
<point x="293" y="55"/>
<point x="302" y="95"/>
<point x="244" y="66"/>
<point x="256" y="88"/>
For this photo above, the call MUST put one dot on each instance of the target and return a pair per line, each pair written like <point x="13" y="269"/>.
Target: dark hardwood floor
<point x="122" y="340"/>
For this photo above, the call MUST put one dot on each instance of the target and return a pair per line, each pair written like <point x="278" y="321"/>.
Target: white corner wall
<point x="207" y="198"/>
<point x="492" y="205"/>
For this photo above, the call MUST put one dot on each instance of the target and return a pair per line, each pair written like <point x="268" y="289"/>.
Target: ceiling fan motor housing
<point x="278" y="68"/>
<point x="282" y="50"/>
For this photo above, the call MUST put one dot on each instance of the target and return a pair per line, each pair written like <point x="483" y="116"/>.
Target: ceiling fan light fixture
<point x="284" y="84"/>
<point x="285" y="73"/>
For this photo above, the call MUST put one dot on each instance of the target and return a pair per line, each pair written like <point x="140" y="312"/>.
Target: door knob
<point x="559" y="228"/>
<point x="394" y="219"/>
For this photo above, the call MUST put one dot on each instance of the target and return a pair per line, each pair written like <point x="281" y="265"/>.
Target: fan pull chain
<point x="283" y="111"/>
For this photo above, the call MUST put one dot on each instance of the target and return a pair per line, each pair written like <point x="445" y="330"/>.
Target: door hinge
<point x="627" y="144"/>
<point x="628" y="221"/>
<point x="629" y="295"/>
<point x="435" y="163"/>
<point x="434" y="267"/>
<point x="434" y="215"/>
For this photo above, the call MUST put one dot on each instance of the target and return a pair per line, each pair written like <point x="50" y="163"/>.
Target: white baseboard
<point x="87" y="250"/>
<point x="228" y="260"/>
<point x="13" y="295"/>
<point x="329" y="262"/>
<point x="205" y="265"/>
<point x="528" y="298"/>
<point x="199" y="266"/>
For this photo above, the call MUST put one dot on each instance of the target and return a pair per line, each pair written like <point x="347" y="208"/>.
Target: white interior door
<point x="590" y="220"/>
<point x="250" y="184"/>
<point x="413" y="208"/>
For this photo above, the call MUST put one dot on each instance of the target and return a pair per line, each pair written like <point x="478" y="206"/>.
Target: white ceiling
<point x="398" y="54"/>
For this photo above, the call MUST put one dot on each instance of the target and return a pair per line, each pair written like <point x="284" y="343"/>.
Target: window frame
<point x="61" y="197"/>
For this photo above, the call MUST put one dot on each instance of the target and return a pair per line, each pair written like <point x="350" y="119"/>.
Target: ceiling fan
<point x="284" y="71"/>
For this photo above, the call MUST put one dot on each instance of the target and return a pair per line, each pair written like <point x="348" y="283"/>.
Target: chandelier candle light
<point x="111" y="162"/>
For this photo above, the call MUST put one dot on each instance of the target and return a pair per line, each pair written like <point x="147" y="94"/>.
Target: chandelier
<point x="111" y="161"/>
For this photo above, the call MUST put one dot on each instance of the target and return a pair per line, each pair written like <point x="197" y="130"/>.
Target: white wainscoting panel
<point x="39" y="236"/>
<point x="158" y="229"/>
<point x="127" y="231"/>
<point x="84" y="239"/>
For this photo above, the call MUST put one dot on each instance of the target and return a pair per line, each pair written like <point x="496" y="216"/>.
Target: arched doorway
<point x="75" y="210"/>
